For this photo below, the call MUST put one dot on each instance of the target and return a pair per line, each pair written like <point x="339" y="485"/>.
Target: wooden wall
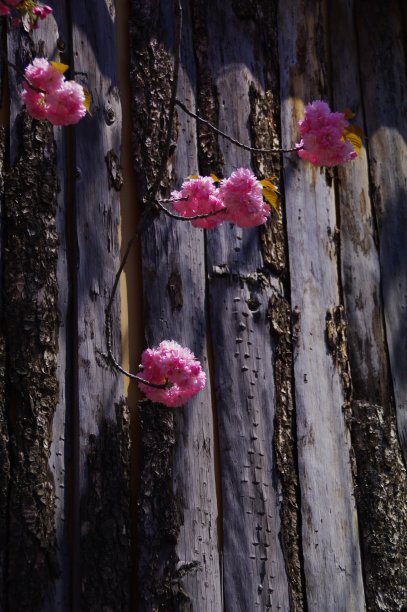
<point x="282" y="485"/>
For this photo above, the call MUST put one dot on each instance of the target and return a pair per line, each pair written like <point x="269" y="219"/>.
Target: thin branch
<point x="229" y="138"/>
<point x="179" y="217"/>
<point x="108" y="330"/>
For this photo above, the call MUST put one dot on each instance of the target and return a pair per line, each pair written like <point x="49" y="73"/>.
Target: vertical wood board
<point x="329" y="524"/>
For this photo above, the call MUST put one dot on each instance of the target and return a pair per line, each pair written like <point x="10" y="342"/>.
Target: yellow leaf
<point x="193" y="177"/>
<point x="62" y="68"/>
<point x="271" y="195"/>
<point x="349" y="114"/>
<point x="215" y="178"/>
<point x="353" y="133"/>
<point x="88" y="101"/>
<point x="267" y="182"/>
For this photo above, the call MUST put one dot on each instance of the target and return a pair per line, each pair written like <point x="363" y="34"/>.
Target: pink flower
<point x="36" y="103"/>
<point x="172" y="363"/>
<point x="203" y="198"/>
<point x="61" y="102"/>
<point x="242" y="196"/>
<point x="42" y="11"/>
<point x="66" y="104"/>
<point x="323" y="142"/>
<point x="4" y="9"/>
<point x="42" y="75"/>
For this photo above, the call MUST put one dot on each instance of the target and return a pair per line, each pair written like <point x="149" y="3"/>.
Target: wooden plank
<point x="102" y="513"/>
<point x="383" y="78"/>
<point x="381" y="507"/>
<point x="240" y="288"/>
<point x="174" y="308"/>
<point x="332" y="562"/>
<point x="360" y="266"/>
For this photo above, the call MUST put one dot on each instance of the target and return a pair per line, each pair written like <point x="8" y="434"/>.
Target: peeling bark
<point x="105" y="543"/>
<point x="210" y="157"/>
<point x="30" y="315"/>
<point x="284" y="443"/>
<point x="159" y="517"/>
<point x="381" y="495"/>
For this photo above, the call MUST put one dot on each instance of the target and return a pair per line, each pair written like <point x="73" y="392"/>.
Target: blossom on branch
<point x="174" y="364"/>
<point x="199" y="196"/>
<point x="48" y="95"/>
<point x="25" y="12"/>
<point x="242" y="197"/>
<point x="324" y="136"/>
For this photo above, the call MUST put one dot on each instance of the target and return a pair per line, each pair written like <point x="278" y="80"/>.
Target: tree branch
<point x="229" y="138"/>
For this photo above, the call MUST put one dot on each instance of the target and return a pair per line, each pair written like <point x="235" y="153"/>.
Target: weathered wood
<point x="384" y="86"/>
<point x="174" y="294"/>
<point x="101" y="554"/>
<point x="378" y="457"/>
<point x="240" y="287"/>
<point x="329" y="525"/>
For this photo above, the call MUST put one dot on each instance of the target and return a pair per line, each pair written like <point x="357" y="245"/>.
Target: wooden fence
<point x="282" y="485"/>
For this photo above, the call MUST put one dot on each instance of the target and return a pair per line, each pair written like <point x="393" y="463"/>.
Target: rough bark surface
<point x="246" y="498"/>
<point x="105" y="534"/>
<point x="159" y="517"/>
<point x="31" y="320"/>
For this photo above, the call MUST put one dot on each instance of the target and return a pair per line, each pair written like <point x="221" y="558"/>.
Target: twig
<point x="229" y="138"/>
<point x="111" y="358"/>
<point x="179" y="217"/>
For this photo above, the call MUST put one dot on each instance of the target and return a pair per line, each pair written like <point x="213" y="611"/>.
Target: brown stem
<point x="229" y="138"/>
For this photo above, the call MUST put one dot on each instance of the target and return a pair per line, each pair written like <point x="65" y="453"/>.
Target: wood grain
<point x="103" y="503"/>
<point x="331" y="552"/>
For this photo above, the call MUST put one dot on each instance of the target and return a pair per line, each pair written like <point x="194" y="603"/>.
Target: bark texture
<point x="282" y="485"/>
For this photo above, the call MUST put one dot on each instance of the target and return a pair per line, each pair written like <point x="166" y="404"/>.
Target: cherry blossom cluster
<point x="48" y="95"/>
<point x="173" y="364"/>
<point x="324" y="141"/>
<point x="26" y="11"/>
<point x="238" y="199"/>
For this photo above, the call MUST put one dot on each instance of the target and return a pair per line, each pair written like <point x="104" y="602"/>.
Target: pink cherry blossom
<point x="36" y="103"/>
<point x="242" y="196"/>
<point x="47" y="95"/>
<point x="171" y="363"/>
<point x="42" y="11"/>
<point x="323" y="142"/>
<point x="203" y="198"/>
<point x="42" y="75"/>
<point x="66" y="104"/>
<point x="4" y="9"/>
